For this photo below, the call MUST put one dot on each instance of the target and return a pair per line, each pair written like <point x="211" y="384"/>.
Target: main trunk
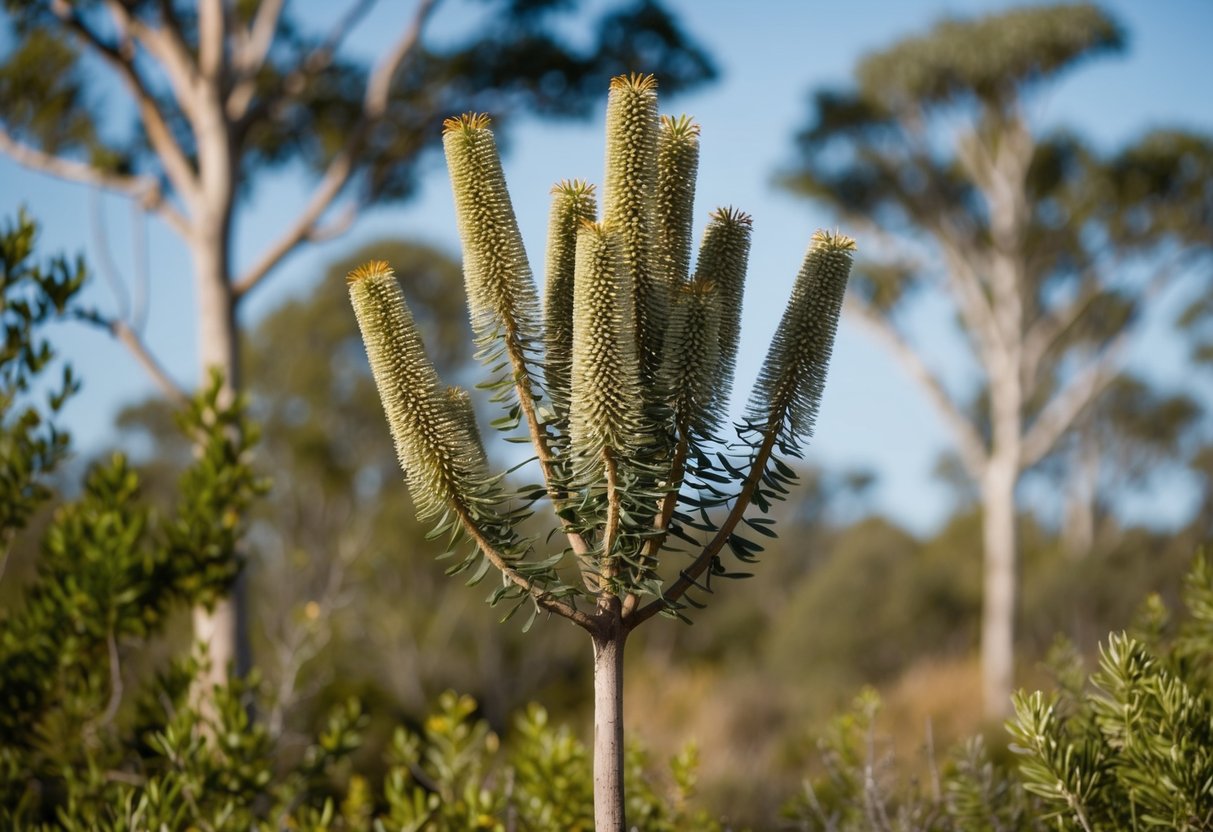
<point x="225" y="629"/>
<point x="999" y="594"/>
<point x="608" y="732"/>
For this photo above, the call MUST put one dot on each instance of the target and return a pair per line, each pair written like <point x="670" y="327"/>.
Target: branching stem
<point x="690" y="575"/>
<point x="499" y="561"/>
<point x="539" y="435"/>
<point x="611" y="532"/>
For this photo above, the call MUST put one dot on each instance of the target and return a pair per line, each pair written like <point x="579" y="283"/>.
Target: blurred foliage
<point x="1133" y="748"/>
<point x="349" y="597"/>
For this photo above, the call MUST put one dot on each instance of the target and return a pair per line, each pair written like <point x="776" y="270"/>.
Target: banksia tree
<point x="621" y="382"/>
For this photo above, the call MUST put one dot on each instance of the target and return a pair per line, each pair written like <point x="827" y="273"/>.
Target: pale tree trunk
<point x="609" y="809"/>
<point x="999" y="578"/>
<point x="225" y="629"/>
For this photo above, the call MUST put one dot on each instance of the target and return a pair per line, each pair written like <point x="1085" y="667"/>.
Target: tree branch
<point x="256" y="45"/>
<point x="543" y="599"/>
<point x="176" y="164"/>
<point x="690" y="576"/>
<point x="969" y="443"/>
<point x="293" y="83"/>
<point x="342" y="167"/>
<point x="253" y="47"/>
<point x="131" y="340"/>
<point x="212" y="27"/>
<point x="144" y="189"/>
<point x="1065" y="407"/>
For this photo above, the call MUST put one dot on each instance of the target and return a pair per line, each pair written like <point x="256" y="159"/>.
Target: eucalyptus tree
<point x="224" y="91"/>
<point x="620" y="381"/>
<point x="1048" y="251"/>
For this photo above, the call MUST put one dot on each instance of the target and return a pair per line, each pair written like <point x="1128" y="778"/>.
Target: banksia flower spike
<point x="788" y="390"/>
<point x="723" y="257"/>
<point x="501" y="291"/>
<point x="628" y="203"/>
<point x="677" y="168"/>
<point x="460" y="402"/>
<point x="692" y="357"/>
<point x="440" y="452"/>
<point x="606" y="399"/>
<point x="573" y="204"/>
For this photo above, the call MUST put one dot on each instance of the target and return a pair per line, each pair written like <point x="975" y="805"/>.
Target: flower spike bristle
<point x="371" y="268"/>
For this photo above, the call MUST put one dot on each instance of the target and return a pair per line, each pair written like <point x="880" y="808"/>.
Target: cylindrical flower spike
<point x="788" y="390"/>
<point x="677" y="168"/>
<point x="442" y="464"/>
<point x="628" y="205"/>
<point x="460" y="402"/>
<point x="573" y="204"/>
<point x="501" y="291"/>
<point x="723" y="257"/>
<point x="606" y="402"/>
<point x="692" y="355"/>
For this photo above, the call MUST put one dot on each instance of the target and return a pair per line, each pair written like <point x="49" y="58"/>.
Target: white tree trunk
<point x="609" y="809"/>
<point x="999" y="587"/>
<point x="223" y="630"/>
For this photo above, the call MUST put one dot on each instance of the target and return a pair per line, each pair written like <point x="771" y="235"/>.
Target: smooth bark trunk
<point x="609" y="810"/>
<point x="225" y="629"/>
<point x="999" y="591"/>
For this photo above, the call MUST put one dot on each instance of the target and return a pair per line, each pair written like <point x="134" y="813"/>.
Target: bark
<point x="999" y="588"/>
<point x="225" y="630"/>
<point x="609" y="810"/>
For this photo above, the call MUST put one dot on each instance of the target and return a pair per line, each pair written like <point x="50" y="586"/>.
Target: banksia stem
<point x="606" y="403"/>
<point x="442" y="463"/>
<point x="677" y="168"/>
<point x="789" y="387"/>
<point x="573" y="204"/>
<point x="723" y="257"/>
<point x="692" y="357"/>
<point x="628" y="204"/>
<point x="500" y="289"/>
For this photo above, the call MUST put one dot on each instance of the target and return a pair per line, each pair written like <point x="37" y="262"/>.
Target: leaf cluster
<point x="1132" y="749"/>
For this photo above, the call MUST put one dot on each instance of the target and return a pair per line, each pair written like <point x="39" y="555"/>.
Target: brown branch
<point x="611" y="530"/>
<point x="543" y="599"/>
<point x="131" y="340"/>
<point x="144" y="189"/>
<point x="970" y="445"/>
<point x="176" y="164"/>
<point x="254" y="52"/>
<point x="690" y="576"/>
<point x="260" y="36"/>
<point x="342" y="167"/>
<point x="212" y="28"/>
<point x="1064" y="408"/>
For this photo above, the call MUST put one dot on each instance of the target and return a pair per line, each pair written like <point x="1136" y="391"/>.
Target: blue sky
<point x="770" y="54"/>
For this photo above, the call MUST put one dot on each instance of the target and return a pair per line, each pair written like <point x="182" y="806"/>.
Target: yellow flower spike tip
<point x="573" y="203"/>
<point x="501" y="292"/>
<point x="629" y="202"/>
<point x="677" y="169"/>
<point x="794" y="374"/>
<point x="692" y="357"/>
<point x="605" y="410"/>
<point x="723" y="258"/>
<point x="441" y="463"/>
